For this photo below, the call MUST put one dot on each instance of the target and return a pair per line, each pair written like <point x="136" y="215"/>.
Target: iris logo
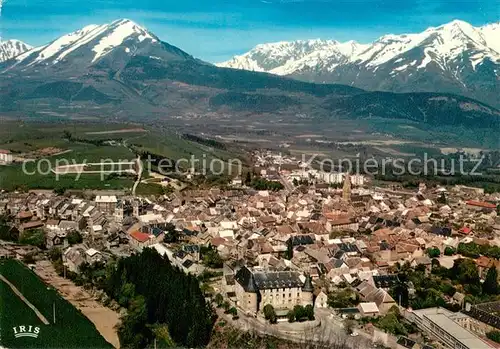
<point x="26" y="331"/>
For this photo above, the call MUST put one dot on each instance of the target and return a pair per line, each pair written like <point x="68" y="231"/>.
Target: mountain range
<point x="455" y="57"/>
<point x="122" y="70"/>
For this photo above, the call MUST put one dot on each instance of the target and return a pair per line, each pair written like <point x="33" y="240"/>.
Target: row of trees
<point x="264" y="184"/>
<point x="473" y="250"/>
<point x="158" y="294"/>
<point x="434" y="252"/>
<point x="300" y="313"/>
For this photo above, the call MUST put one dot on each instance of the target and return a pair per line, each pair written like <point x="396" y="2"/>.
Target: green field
<point x="71" y="328"/>
<point x="25" y="138"/>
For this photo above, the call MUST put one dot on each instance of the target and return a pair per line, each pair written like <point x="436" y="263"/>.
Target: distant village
<point x="323" y="233"/>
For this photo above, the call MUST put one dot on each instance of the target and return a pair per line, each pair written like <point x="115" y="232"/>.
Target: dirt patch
<point x="104" y="319"/>
<point x="128" y="130"/>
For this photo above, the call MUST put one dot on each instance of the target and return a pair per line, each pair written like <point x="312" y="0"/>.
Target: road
<point x="139" y="174"/>
<point x="329" y="331"/>
<point x="288" y="186"/>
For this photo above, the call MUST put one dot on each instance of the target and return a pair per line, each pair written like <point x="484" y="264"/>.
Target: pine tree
<point x="490" y="285"/>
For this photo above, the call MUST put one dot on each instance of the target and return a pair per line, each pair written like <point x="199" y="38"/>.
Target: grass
<point x="28" y="137"/>
<point x="71" y="329"/>
<point x="433" y="136"/>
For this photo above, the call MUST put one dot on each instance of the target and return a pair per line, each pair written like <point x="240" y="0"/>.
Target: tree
<point x="309" y="312"/>
<point x="494" y="335"/>
<point x="55" y="254"/>
<point x="490" y="285"/>
<point x="289" y="249"/>
<point x="442" y="199"/>
<point x="74" y="237"/>
<point x="465" y="271"/>
<point x="29" y="258"/>
<point x="171" y="298"/>
<point x="433" y="252"/>
<point x="212" y="259"/>
<point x="449" y="251"/>
<point x="342" y="299"/>
<point x="248" y="178"/>
<point x="290" y="316"/>
<point x="35" y="237"/>
<point x="226" y="305"/>
<point x="233" y="311"/>
<point x="391" y="323"/>
<point x="299" y="312"/>
<point x="218" y="300"/>
<point x="349" y="326"/>
<point x="269" y="313"/>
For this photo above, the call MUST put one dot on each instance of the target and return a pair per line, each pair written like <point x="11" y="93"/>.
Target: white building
<point x="5" y="156"/>
<point x="331" y="177"/>
<point x="444" y="326"/>
<point x="357" y="180"/>
<point x="106" y="203"/>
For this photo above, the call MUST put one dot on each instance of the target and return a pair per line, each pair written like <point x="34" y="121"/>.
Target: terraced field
<point x="67" y="327"/>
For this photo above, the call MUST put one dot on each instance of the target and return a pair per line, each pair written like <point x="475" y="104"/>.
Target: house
<point x="321" y="300"/>
<point x="385" y="281"/>
<point x="140" y="240"/>
<point x="484" y="263"/>
<point x="368" y="309"/>
<point x="93" y="256"/>
<point x="31" y="225"/>
<point x="5" y="156"/>
<point x="106" y="204"/>
<point x="341" y="224"/>
<point x="73" y="258"/>
<point x="23" y="217"/>
<point x="382" y="299"/>
<point x="481" y="206"/>
<point x="57" y="239"/>
<point x="425" y="261"/>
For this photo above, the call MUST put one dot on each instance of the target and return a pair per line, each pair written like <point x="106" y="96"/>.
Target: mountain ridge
<point x="455" y="57"/>
<point x="121" y="70"/>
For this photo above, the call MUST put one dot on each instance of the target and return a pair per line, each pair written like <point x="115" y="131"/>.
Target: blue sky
<point x="215" y="30"/>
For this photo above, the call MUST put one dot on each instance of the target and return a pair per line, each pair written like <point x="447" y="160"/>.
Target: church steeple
<point x="346" y="194"/>
<point x="308" y="287"/>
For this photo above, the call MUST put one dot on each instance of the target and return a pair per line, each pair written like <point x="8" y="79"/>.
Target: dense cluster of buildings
<point x="284" y="248"/>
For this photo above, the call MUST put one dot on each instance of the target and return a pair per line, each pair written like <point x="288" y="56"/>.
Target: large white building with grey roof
<point x="282" y="289"/>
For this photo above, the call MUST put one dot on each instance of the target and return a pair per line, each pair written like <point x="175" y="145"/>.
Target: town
<point x="286" y="250"/>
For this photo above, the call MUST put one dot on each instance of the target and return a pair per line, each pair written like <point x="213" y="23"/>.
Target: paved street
<point x="329" y="330"/>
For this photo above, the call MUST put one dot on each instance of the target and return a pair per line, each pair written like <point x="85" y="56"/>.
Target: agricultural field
<point x="71" y="328"/>
<point x="49" y="145"/>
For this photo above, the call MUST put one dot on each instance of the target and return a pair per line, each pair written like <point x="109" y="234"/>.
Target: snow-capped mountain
<point x="116" y="42"/>
<point x="122" y="70"/>
<point x="455" y="57"/>
<point x="12" y="48"/>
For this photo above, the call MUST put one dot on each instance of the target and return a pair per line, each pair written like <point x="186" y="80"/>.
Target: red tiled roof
<point x="465" y="230"/>
<point x="3" y="151"/>
<point x="24" y="214"/>
<point x="32" y="224"/>
<point x="141" y="237"/>
<point x="217" y="241"/>
<point x="481" y="204"/>
<point x="484" y="262"/>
